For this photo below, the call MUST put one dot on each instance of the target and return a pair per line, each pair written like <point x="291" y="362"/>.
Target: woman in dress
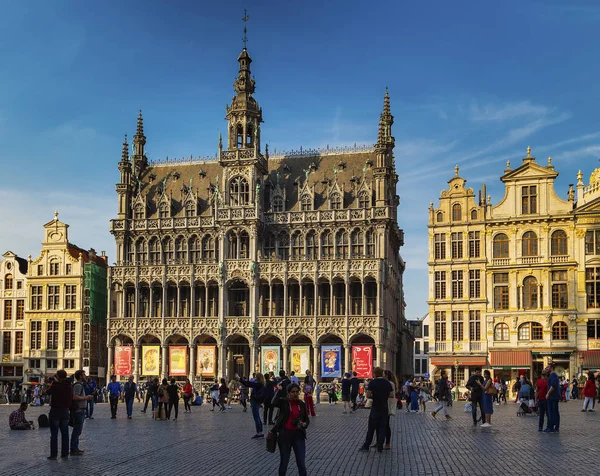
<point x="188" y="393"/>
<point x="488" y="405"/>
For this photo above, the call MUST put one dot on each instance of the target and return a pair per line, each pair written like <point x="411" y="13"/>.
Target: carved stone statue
<point x="515" y="322"/>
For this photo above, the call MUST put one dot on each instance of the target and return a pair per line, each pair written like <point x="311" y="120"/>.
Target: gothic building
<point x="250" y="252"/>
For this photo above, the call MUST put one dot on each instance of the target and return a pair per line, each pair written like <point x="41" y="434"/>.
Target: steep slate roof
<point x="74" y="251"/>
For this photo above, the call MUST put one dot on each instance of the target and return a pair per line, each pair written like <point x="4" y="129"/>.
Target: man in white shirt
<point x="293" y="378"/>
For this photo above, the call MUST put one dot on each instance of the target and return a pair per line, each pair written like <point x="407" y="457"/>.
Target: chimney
<point x="92" y="254"/>
<point x="104" y="257"/>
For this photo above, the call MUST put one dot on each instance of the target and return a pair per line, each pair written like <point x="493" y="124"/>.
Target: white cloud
<point x="504" y="112"/>
<point x="581" y="153"/>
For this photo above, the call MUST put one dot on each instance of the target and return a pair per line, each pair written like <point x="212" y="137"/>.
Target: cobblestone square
<point x="206" y="442"/>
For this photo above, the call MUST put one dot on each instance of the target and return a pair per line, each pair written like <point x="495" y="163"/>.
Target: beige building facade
<point x="267" y="260"/>
<point x="510" y="283"/>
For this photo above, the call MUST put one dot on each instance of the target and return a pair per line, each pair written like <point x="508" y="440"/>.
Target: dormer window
<point x="306" y="203"/>
<point x="190" y="209"/>
<point x="138" y="212"/>
<point x="529" y="200"/>
<point x="239" y="192"/>
<point x="163" y="211"/>
<point x="278" y="204"/>
<point x="336" y="201"/>
<point x="363" y="200"/>
<point x="456" y="212"/>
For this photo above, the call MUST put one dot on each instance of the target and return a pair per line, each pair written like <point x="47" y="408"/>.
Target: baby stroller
<point x="526" y="407"/>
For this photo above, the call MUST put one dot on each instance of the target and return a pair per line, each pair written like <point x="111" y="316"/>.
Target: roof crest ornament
<point x="245" y="20"/>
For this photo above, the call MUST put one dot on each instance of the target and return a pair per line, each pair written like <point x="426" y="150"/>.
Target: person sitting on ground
<point x="17" y="420"/>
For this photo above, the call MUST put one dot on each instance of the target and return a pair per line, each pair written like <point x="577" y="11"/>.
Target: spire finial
<point x="456" y="170"/>
<point x="125" y="153"/>
<point x="549" y="161"/>
<point x="56" y="214"/>
<point x="245" y="20"/>
<point x="528" y="152"/>
<point x="140" y="124"/>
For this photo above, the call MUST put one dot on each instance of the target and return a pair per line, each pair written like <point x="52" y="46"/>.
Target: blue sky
<point x="471" y="83"/>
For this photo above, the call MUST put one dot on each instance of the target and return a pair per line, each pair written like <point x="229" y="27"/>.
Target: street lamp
<point x="456" y="393"/>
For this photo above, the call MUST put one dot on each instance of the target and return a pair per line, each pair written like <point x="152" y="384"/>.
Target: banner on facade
<point x="300" y="359"/>
<point x="151" y="360"/>
<point x="178" y="360"/>
<point x="362" y="360"/>
<point x="331" y="361"/>
<point x="206" y="360"/>
<point x="270" y="360"/>
<point x="123" y="360"/>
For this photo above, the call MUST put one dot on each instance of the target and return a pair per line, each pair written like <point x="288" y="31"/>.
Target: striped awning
<point x="591" y="359"/>
<point x="513" y="359"/>
<point x="451" y="361"/>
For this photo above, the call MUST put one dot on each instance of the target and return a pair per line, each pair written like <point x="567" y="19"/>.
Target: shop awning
<point x="511" y="359"/>
<point x="451" y="361"/>
<point x="591" y="359"/>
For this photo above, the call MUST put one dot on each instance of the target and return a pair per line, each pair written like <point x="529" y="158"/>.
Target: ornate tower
<point x="138" y="154"/>
<point x="384" y="172"/>
<point x="124" y="186"/>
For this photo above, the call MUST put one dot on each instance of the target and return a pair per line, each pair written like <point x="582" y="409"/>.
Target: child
<point x="332" y="395"/>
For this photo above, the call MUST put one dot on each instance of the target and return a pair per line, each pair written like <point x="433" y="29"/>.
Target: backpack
<point x="43" y="421"/>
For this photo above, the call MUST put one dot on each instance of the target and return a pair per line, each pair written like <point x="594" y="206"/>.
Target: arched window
<point x="529" y="244"/>
<point x="558" y="243"/>
<point x="8" y="281"/>
<point x="439" y="217"/>
<point x="209" y="250"/>
<point x="244" y="245"/>
<point x="283" y="246"/>
<point x="530" y="293"/>
<point x="269" y="246"/>
<point x="363" y="199"/>
<point x="181" y="250"/>
<point x="336" y="201"/>
<point x="164" y="210"/>
<point x="370" y="250"/>
<point x="311" y="245"/>
<point x="531" y="331"/>
<point x="474" y="214"/>
<point x="501" y="332"/>
<point x="326" y="245"/>
<point x="138" y="212"/>
<point x="278" y="204"/>
<point x="341" y="244"/>
<point x="249" y="135"/>
<point x="297" y="246"/>
<point x="240" y="136"/>
<point x="195" y="250"/>
<point x="190" y="209"/>
<point x="357" y="243"/>
<point x="239" y="192"/>
<point x="154" y="251"/>
<point x="500" y="247"/>
<point x="306" y="203"/>
<point x="130" y="252"/>
<point x="456" y="212"/>
<point x="168" y="251"/>
<point x="141" y="252"/>
<point x="560" y="331"/>
<point x="232" y="249"/>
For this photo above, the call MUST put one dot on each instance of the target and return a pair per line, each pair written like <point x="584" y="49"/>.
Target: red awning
<point x="512" y="358"/>
<point x="591" y="359"/>
<point x="451" y="361"/>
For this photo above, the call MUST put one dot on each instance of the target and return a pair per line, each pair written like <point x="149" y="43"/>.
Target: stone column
<point x="316" y="366"/>
<point x="221" y="349"/>
<point x="286" y="351"/>
<point x="252" y="360"/>
<point x="206" y="300"/>
<point x="136" y="304"/>
<point x="379" y="355"/>
<point x="178" y="301"/>
<point x="192" y="304"/>
<point x="347" y="358"/>
<point x="136" y="363"/>
<point x="331" y="311"/>
<point x="110" y="363"/>
<point x="301" y="299"/>
<point x="270" y="299"/>
<point x="192" y="368"/>
<point x="164" y="369"/>
<point x="123" y="302"/>
<point x="150" y="301"/>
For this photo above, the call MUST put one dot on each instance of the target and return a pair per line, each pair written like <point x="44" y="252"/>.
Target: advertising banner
<point x="123" y="360"/>
<point x="206" y="360"/>
<point x="331" y="361"/>
<point x="151" y="360"/>
<point x="300" y="359"/>
<point x="362" y="360"/>
<point x="178" y="360"/>
<point x="270" y="359"/>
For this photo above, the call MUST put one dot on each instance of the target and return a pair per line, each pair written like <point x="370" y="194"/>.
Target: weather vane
<point x="245" y="19"/>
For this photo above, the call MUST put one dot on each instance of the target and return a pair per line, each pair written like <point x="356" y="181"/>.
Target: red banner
<point x="362" y="360"/>
<point x="123" y="360"/>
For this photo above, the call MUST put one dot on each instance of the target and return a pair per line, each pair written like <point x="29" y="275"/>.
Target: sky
<point x="471" y="83"/>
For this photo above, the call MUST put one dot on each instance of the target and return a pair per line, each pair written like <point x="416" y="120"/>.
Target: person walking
<point x="589" y="393"/>
<point x="290" y="427"/>
<point x="392" y="404"/>
<point x="443" y="394"/>
<point x="294" y="378"/>
<point x="223" y="392"/>
<point x="307" y="389"/>
<point x="80" y="400"/>
<point x="575" y="389"/>
<point x="379" y="390"/>
<point x="187" y="394"/>
<point x="354" y="387"/>
<point x="257" y="398"/>
<point x="173" y="398"/>
<point x="150" y="391"/>
<point x="318" y="390"/>
<point x="346" y="393"/>
<point x="90" y="389"/>
<point x="541" y="389"/>
<point x="114" y="390"/>
<point x="61" y="395"/>
<point x="163" y="398"/>
<point x="129" y="393"/>
<point x="244" y="396"/>
<point x="268" y="407"/>
<point x="214" y="395"/>
<point x="553" y="397"/>
<point x="474" y="386"/>
<point x="489" y="390"/>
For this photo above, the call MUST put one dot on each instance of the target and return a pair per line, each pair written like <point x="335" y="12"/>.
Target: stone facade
<point x="249" y="249"/>
<point x="508" y="281"/>
<point x="13" y="296"/>
<point x="57" y="318"/>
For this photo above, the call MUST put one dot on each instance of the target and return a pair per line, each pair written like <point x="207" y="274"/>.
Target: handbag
<point x="369" y="403"/>
<point x="392" y="405"/>
<point x="271" y="441"/>
<point x="492" y="390"/>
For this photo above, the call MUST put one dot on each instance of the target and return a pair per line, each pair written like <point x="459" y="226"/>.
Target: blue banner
<point x="331" y="361"/>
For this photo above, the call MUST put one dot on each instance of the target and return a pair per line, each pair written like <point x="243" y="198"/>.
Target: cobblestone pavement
<point x="206" y="442"/>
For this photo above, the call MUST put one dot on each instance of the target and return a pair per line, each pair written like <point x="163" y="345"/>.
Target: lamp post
<point x="456" y="392"/>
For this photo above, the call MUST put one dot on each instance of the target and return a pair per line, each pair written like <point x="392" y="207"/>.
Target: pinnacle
<point x="125" y="152"/>
<point x="140" y="124"/>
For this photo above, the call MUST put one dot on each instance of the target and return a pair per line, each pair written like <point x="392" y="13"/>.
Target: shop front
<point x="508" y="365"/>
<point x="458" y="369"/>
<point x="564" y="359"/>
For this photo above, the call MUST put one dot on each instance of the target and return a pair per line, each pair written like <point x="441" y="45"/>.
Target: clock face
<point x="55" y="236"/>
